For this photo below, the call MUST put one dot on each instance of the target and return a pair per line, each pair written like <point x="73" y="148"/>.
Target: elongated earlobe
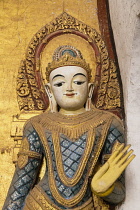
<point x="52" y="101"/>
<point x="89" y="103"/>
<point x="47" y="88"/>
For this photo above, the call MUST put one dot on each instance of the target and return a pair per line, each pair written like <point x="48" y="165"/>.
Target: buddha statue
<point x="83" y="146"/>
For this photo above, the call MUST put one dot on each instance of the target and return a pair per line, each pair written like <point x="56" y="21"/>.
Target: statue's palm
<point x="112" y="169"/>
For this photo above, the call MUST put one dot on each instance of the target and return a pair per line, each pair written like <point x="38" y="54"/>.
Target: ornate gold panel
<point x="30" y="88"/>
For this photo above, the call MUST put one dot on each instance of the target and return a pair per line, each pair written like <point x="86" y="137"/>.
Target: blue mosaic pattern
<point x="113" y="135"/>
<point x="21" y="184"/>
<point x="24" y="178"/>
<point x="65" y="191"/>
<point x="33" y="138"/>
<point x="72" y="153"/>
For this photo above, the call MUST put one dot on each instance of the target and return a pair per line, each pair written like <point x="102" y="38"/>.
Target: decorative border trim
<point x="30" y="89"/>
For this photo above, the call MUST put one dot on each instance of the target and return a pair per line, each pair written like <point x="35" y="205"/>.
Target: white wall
<point x="125" y="18"/>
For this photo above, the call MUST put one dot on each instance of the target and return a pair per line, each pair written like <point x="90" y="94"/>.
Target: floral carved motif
<point x="30" y="89"/>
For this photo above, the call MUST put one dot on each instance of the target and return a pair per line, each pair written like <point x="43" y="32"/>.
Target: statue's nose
<point x="69" y="87"/>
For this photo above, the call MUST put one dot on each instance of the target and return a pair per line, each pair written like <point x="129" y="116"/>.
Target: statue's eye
<point x="59" y="84"/>
<point x="79" y="82"/>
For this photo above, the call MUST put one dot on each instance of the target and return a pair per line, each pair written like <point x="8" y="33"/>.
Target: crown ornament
<point x="67" y="56"/>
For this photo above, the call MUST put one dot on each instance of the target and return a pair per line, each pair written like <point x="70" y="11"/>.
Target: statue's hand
<point x="112" y="169"/>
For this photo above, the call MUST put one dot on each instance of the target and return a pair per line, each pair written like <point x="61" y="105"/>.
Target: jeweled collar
<point x="73" y="126"/>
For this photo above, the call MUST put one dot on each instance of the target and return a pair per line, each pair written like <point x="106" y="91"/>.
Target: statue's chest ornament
<point x="72" y="156"/>
<point x="75" y="149"/>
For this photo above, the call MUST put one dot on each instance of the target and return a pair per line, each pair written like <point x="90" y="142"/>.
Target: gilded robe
<point x="74" y="148"/>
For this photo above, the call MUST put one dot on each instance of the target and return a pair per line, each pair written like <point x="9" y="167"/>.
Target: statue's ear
<point x="90" y="92"/>
<point x="90" y="89"/>
<point x="48" y="90"/>
<point x="52" y="101"/>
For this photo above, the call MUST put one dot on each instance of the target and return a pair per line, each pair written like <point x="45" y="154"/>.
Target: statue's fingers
<point x="121" y="154"/>
<point x="115" y="153"/>
<point x="125" y="157"/>
<point x="101" y="171"/>
<point x="124" y="165"/>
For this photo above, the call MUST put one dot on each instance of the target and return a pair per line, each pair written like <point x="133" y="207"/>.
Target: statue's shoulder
<point x="35" y="119"/>
<point x="103" y="114"/>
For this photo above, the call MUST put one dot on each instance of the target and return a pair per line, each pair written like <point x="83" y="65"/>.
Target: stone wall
<point x="125" y="18"/>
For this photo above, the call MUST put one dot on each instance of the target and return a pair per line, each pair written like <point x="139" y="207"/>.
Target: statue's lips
<point x="70" y="94"/>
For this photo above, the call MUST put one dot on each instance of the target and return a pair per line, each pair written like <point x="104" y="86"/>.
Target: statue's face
<point x="69" y="86"/>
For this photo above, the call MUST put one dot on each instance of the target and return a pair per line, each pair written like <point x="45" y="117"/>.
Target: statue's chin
<point x="72" y="110"/>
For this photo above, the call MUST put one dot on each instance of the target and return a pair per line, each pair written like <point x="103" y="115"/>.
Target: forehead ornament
<point x="67" y="56"/>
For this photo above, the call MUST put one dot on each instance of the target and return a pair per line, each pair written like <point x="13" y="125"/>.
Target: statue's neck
<point x="72" y="112"/>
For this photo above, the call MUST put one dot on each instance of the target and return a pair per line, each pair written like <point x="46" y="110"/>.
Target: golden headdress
<point x="67" y="56"/>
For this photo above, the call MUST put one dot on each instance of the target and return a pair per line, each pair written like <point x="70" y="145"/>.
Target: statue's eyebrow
<point x="79" y="74"/>
<point x="58" y="75"/>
